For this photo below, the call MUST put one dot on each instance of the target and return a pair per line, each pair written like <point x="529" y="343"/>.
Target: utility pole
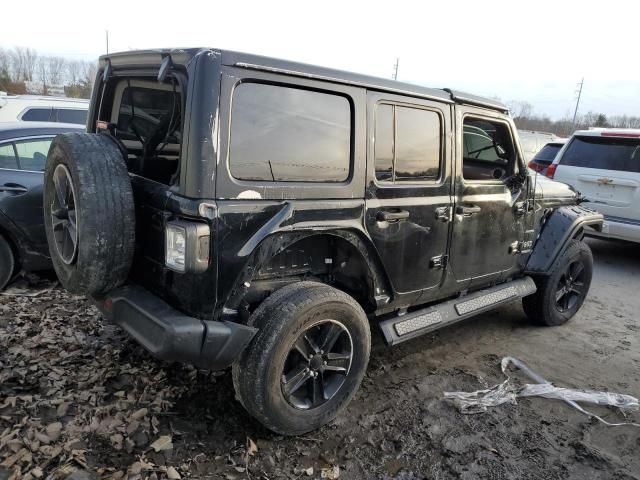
<point x="395" y="69"/>
<point x="579" y="92"/>
<point x="107" y="38"/>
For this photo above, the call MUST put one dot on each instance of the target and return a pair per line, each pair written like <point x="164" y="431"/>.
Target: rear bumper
<point x="170" y="335"/>
<point x="619" y="228"/>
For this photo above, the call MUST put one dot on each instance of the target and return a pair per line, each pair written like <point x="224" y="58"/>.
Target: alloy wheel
<point x="63" y="215"/>
<point x="571" y="288"/>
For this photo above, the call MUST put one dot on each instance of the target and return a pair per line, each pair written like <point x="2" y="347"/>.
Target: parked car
<point x="532" y="142"/>
<point x="545" y="157"/>
<point x="34" y="108"/>
<point x="23" y="154"/>
<point x="285" y="209"/>
<point x="604" y="165"/>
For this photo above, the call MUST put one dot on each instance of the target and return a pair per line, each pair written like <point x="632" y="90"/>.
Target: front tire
<point x="561" y="294"/>
<point x="307" y="360"/>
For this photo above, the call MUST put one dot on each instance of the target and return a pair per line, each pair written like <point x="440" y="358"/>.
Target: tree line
<point x="20" y="66"/>
<point x="525" y="119"/>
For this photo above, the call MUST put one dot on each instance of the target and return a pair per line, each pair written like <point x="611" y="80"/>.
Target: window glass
<point x="288" y="134"/>
<point x="152" y="109"/>
<point x="548" y="153"/>
<point x="70" y="115"/>
<point x="417" y="144"/>
<point x="7" y="156"/>
<point x="37" y="115"/>
<point x="33" y="153"/>
<point x="384" y="142"/>
<point x="607" y="153"/>
<point x="487" y="150"/>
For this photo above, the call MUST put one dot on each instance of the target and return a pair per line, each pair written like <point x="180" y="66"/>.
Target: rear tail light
<point x="551" y="170"/>
<point x="533" y="165"/>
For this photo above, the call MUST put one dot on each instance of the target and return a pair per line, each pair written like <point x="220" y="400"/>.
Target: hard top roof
<point x="258" y="62"/>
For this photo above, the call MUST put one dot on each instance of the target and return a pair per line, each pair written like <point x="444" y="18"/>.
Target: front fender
<point x="561" y="226"/>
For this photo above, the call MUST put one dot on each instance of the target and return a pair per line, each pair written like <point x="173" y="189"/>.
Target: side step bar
<point x="410" y="325"/>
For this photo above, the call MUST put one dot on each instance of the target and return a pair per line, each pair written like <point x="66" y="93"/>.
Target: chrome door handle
<point x="13" y="188"/>
<point x="468" y="211"/>
<point x="392" y="216"/>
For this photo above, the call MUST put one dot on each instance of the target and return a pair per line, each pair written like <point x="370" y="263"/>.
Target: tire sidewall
<point x="7" y="262"/>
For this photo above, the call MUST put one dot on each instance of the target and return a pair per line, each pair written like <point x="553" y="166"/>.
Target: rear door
<point x="408" y="197"/>
<point x="606" y="170"/>
<point x="21" y="178"/>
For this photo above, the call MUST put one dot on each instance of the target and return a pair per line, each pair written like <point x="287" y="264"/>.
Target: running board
<point x="410" y="325"/>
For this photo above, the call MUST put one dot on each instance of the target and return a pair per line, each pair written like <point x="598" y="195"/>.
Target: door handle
<point x="392" y="216"/>
<point x="468" y="211"/>
<point x="13" y="188"/>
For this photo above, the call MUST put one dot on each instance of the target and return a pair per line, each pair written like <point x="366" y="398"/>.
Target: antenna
<point x="579" y="92"/>
<point x="395" y="69"/>
<point x="106" y="32"/>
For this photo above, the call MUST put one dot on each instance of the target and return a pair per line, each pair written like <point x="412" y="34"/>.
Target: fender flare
<point x="559" y="228"/>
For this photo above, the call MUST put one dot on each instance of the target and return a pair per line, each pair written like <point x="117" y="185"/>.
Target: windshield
<point x="606" y="153"/>
<point x="548" y="153"/>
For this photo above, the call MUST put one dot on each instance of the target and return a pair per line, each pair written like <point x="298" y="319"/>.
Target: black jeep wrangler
<point x="227" y="209"/>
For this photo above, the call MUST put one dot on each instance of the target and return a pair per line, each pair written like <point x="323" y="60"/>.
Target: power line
<point x="395" y="69"/>
<point x="575" y="113"/>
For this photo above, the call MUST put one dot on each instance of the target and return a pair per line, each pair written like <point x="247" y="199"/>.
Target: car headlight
<point x="187" y="246"/>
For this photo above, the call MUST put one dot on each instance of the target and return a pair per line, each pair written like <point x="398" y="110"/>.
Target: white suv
<point x="34" y="108"/>
<point x="604" y="165"/>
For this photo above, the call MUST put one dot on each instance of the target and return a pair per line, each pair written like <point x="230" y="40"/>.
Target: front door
<point x="488" y="220"/>
<point x="408" y="198"/>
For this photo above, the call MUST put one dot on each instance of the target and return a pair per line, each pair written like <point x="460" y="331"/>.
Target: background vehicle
<point x="604" y="165"/>
<point x="546" y="155"/>
<point x="532" y="142"/>
<point x="23" y="154"/>
<point x="34" y="108"/>
<point x="284" y="205"/>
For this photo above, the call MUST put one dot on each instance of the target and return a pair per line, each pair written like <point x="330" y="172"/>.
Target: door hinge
<point x="443" y="214"/>
<point x="439" y="262"/>
<point x="520" y="208"/>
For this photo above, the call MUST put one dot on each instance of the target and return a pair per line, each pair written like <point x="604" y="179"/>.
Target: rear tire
<point x="307" y="360"/>
<point x="561" y="294"/>
<point x="7" y="263"/>
<point x="89" y="213"/>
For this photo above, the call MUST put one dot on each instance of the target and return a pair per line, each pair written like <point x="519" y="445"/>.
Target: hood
<point x="553" y="193"/>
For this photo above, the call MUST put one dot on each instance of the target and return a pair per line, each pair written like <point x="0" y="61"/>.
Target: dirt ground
<point x="77" y="394"/>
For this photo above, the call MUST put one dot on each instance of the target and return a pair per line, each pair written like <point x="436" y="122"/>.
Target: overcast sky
<point x="528" y="51"/>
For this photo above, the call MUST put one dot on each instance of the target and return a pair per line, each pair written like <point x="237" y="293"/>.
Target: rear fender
<point x="560" y="227"/>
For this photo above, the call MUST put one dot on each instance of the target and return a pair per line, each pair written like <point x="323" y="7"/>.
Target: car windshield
<point x="606" y="153"/>
<point x="548" y="153"/>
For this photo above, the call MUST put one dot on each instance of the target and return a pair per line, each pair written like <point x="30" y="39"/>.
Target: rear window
<point x="548" y="153"/>
<point x="145" y="111"/>
<point x="606" y="153"/>
<point x="71" y="115"/>
<point x="283" y="134"/>
<point x="37" y="115"/>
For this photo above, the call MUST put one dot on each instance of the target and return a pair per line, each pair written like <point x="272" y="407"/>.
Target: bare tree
<point x="5" y="63"/>
<point x="30" y="56"/>
<point x="56" y="68"/>
<point x="73" y="71"/>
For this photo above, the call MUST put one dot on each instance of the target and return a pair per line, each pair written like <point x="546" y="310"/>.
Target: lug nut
<point x="324" y="363"/>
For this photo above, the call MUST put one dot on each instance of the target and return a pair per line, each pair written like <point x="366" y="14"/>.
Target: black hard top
<point x="258" y="62"/>
<point x="10" y="130"/>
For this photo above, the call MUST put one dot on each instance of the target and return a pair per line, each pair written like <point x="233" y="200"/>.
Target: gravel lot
<point x="77" y="394"/>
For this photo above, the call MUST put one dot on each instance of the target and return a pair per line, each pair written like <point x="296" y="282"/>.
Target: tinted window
<point x="69" y="115"/>
<point x="407" y="143"/>
<point x="603" y="152"/>
<point x="548" y="153"/>
<point x="33" y="153"/>
<point x="151" y="109"/>
<point x="384" y="142"/>
<point x="37" y="115"/>
<point x="287" y="134"/>
<point x="7" y="156"/>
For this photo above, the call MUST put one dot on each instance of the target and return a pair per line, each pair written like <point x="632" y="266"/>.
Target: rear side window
<point x="548" y="153"/>
<point x="407" y="144"/>
<point x="145" y="111"/>
<point x="32" y="154"/>
<point x="284" y="134"/>
<point x="607" y="153"/>
<point x="71" y="115"/>
<point x="8" y="157"/>
<point x="37" y="115"/>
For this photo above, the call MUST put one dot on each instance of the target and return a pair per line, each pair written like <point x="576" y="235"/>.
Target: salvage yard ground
<point x="76" y="393"/>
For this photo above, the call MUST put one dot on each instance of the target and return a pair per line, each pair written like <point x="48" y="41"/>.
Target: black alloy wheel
<point x="317" y="365"/>
<point x="63" y="215"/>
<point x="571" y="287"/>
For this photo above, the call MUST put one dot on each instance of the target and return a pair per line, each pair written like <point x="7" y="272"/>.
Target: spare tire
<point x="89" y="213"/>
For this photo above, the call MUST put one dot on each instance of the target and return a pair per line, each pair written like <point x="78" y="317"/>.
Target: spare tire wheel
<point x="88" y="212"/>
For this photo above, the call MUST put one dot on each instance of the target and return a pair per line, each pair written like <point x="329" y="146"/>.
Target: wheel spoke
<point x="303" y="347"/>
<point x="330" y="334"/>
<point x="295" y="379"/>
<point x="61" y="187"/>
<point x="576" y="270"/>
<point x="317" y="390"/>
<point x="560" y="293"/>
<point x="337" y="362"/>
